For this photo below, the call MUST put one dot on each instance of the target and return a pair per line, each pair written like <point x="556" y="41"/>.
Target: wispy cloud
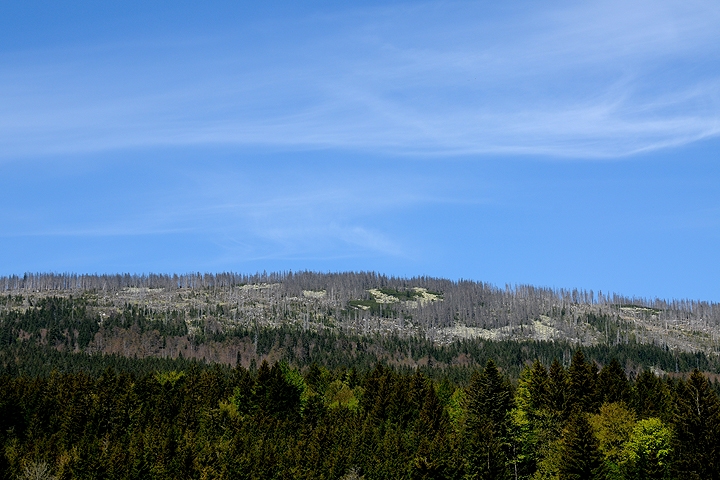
<point x="318" y="216"/>
<point x="605" y="79"/>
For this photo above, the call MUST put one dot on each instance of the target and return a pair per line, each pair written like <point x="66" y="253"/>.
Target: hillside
<point x="230" y="318"/>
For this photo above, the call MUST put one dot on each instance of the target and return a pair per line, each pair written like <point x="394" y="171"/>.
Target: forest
<point x="189" y="419"/>
<point x="350" y="376"/>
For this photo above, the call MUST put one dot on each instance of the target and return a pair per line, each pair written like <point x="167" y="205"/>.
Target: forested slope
<point x="347" y="376"/>
<point x="200" y="421"/>
<point x="350" y="318"/>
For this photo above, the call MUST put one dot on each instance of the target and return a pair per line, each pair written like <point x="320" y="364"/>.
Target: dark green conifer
<point x="650" y="397"/>
<point x="485" y="454"/>
<point x="612" y="383"/>
<point x="489" y="396"/>
<point x="314" y="377"/>
<point x="557" y="388"/>
<point x="582" y="384"/>
<point x="432" y="417"/>
<point x="539" y="386"/>
<point x="489" y="399"/>
<point x="697" y="430"/>
<point x="242" y="383"/>
<point x="581" y="458"/>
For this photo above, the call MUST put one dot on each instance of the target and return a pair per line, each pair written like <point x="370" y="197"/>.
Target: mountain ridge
<point x="226" y="317"/>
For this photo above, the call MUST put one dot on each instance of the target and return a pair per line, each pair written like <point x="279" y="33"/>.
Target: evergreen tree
<point x="650" y="397"/>
<point x="612" y="384"/>
<point x="697" y="429"/>
<point x="581" y="458"/>
<point x="582" y="384"/>
<point x="243" y="385"/>
<point x="557" y="389"/>
<point x="527" y="419"/>
<point x="432" y="418"/>
<point x="489" y="396"/>
<point x="538" y="386"/>
<point x="485" y="455"/>
<point x="489" y="400"/>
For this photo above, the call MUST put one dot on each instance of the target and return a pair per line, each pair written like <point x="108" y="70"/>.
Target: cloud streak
<point x="591" y="81"/>
<point x="244" y="215"/>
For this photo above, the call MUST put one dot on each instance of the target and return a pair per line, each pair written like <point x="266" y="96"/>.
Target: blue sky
<point x="557" y="144"/>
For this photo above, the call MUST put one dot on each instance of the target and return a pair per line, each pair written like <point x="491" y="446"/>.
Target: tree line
<point x="192" y="420"/>
<point x="345" y="286"/>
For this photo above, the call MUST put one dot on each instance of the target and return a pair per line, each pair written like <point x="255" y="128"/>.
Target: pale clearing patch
<point x="658" y="371"/>
<point x="259" y="286"/>
<point x="426" y="297"/>
<point x="652" y="311"/>
<point x="314" y="293"/>
<point x="543" y="331"/>
<point x="381" y="297"/>
<point x="465" y="332"/>
<point x="539" y="330"/>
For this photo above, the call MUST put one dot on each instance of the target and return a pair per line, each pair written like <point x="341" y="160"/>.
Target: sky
<point x="559" y="144"/>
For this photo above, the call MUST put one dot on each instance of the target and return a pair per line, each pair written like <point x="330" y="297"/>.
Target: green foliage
<point x="455" y="406"/>
<point x="170" y="377"/>
<point x="51" y="321"/>
<point x="489" y="402"/>
<point x="648" y="452"/>
<point x="650" y="397"/>
<point x="613" y="426"/>
<point x="612" y="384"/>
<point x="523" y="424"/>
<point x="167" y="324"/>
<point x="294" y="378"/>
<point x="580" y="453"/>
<point x="339" y="394"/>
<point x="557" y="390"/>
<point x="489" y="396"/>
<point x="582" y="388"/>
<point x="182" y="419"/>
<point x="538" y="420"/>
<point x="697" y="429"/>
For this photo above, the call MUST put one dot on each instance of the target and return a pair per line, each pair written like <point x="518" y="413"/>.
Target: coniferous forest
<point x="342" y="378"/>
<point x="186" y="419"/>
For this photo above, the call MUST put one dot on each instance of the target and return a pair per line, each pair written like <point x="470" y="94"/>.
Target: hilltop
<point x="232" y="318"/>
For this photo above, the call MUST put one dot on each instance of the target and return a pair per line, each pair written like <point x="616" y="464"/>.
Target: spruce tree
<point x="650" y="397"/>
<point x="557" y="389"/>
<point x="612" y="383"/>
<point x="489" y="400"/>
<point x="581" y="458"/>
<point x="490" y="396"/>
<point x="538" y="386"/>
<point x="582" y="384"/>
<point x="697" y="430"/>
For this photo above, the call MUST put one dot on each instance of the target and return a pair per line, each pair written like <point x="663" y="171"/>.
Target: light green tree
<point x="613" y="427"/>
<point x="648" y="451"/>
